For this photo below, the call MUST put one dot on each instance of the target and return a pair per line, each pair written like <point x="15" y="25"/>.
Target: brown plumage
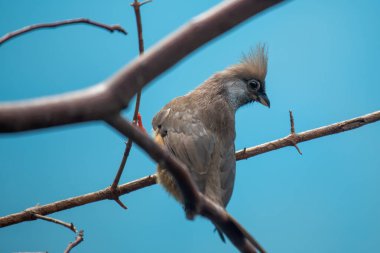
<point x="199" y="128"/>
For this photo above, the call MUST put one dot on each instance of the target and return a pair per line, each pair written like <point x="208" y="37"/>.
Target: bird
<point x="199" y="127"/>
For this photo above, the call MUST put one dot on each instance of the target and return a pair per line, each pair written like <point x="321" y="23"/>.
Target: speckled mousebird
<point x="199" y="128"/>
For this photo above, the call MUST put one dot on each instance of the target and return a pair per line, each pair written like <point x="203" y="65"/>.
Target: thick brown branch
<point x="195" y="202"/>
<point x="78" y="240"/>
<point x="309" y="135"/>
<point x="112" y="96"/>
<point x="30" y="28"/>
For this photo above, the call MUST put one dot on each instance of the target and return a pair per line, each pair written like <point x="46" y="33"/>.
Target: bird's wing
<point x="188" y="139"/>
<point x="227" y="172"/>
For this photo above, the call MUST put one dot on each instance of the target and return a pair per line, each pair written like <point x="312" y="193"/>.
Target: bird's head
<point x="245" y="82"/>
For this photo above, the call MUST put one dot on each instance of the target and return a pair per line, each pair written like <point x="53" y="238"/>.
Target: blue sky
<point x="323" y="65"/>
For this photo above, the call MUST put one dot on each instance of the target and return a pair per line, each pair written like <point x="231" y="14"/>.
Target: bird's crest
<point x="252" y="65"/>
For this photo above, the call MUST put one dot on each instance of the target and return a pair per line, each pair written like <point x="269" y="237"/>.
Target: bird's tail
<point x="249" y="237"/>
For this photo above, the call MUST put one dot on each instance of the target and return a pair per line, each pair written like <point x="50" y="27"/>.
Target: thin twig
<point x="136" y="6"/>
<point x="70" y="226"/>
<point x="56" y="221"/>
<point x="293" y="133"/>
<point x="78" y="240"/>
<point x="151" y="180"/>
<point x="292" y="129"/>
<point x="30" y="28"/>
<point x="145" y="2"/>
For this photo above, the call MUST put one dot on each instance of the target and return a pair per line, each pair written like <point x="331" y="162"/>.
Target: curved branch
<point x="30" y="28"/>
<point x="195" y="202"/>
<point x="110" y="98"/>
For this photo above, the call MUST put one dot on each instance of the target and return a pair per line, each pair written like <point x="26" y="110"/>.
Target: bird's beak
<point x="263" y="99"/>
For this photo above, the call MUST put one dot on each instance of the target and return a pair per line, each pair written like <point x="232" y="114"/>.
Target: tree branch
<point x="151" y="180"/>
<point x="70" y="226"/>
<point x="293" y="139"/>
<point x="194" y="201"/>
<point x="78" y="240"/>
<point x="61" y="205"/>
<point x="113" y="95"/>
<point x="30" y="28"/>
<point x="56" y="221"/>
<point x="136" y="6"/>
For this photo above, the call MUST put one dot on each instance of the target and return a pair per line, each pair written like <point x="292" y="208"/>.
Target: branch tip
<point x="298" y="149"/>
<point x="292" y="129"/>
<point x="117" y="200"/>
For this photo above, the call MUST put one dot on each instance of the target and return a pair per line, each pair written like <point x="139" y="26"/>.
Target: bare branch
<point x="61" y="205"/>
<point x="309" y="135"/>
<point x="161" y="156"/>
<point x="56" y="221"/>
<point x="70" y="226"/>
<point x="136" y="6"/>
<point x="194" y="201"/>
<point x="151" y="180"/>
<point x="113" y="95"/>
<point x="78" y="240"/>
<point x="293" y="132"/>
<point x="30" y="28"/>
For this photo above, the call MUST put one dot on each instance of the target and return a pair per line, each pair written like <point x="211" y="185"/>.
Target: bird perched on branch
<point x="199" y="128"/>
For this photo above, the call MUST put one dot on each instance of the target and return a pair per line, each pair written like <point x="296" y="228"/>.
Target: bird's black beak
<point x="263" y="99"/>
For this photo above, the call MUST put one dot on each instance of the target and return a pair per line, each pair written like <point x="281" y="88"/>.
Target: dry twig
<point x="56" y="221"/>
<point x="136" y="6"/>
<point x="70" y="226"/>
<point x="78" y="240"/>
<point x="30" y="28"/>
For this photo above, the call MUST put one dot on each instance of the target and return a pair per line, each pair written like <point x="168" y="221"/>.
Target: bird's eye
<point x="254" y="84"/>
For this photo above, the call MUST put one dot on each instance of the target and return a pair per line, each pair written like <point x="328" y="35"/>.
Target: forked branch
<point x="79" y="237"/>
